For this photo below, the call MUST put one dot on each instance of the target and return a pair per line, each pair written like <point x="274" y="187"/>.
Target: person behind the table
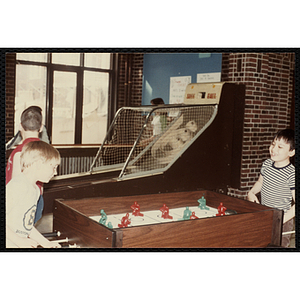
<point x="30" y="128"/>
<point x="159" y="121"/>
<point x="39" y="162"/>
<point x="276" y="182"/>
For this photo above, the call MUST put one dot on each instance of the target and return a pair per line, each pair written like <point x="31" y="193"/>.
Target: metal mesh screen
<point x="149" y="139"/>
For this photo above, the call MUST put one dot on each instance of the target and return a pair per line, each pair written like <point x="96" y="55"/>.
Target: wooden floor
<point x="44" y="225"/>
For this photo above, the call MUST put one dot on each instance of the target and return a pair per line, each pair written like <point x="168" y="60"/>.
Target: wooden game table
<point x="250" y="226"/>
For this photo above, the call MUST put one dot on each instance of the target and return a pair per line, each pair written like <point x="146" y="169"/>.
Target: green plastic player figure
<point x="202" y="203"/>
<point x="187" y="214"/>
<point x="103" y="217"/>
<point x="109" y="225"/>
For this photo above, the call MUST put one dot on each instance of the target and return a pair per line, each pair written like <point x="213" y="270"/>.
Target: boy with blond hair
<point x="39" y="162"/>
<point x="277" y="180"/>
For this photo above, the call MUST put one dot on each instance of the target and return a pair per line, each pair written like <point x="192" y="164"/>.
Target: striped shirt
<point x="277" y="185"/>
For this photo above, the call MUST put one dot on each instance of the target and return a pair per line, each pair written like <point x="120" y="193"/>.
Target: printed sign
<point x="177" y="88"/>
<point x="209" y="77"/>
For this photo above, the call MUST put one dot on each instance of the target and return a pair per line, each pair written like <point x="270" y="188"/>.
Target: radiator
<point x="70" y="165"/>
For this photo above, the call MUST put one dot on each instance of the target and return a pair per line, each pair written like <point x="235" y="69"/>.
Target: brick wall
<point x="268" y="78"/>
<point x="121" y="81"/>
<point x="130" y="79"/>
<point x="137" y="80"/>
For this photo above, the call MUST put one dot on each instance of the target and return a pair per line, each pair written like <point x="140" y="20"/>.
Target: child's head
<point x="157" y="101"/>
<point x="282" y="148"/>
<point x="288" y="136"/>
<point x="45" y="157"/>
<point x="31" y="118"/>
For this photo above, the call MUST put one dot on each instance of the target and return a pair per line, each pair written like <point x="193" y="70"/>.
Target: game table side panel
<point x="80" y="229"/>
<point x="248" y="230"/>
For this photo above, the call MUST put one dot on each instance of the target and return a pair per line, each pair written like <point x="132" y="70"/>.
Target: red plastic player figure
<point x="136" y="209"/>
<point x="193" y="216"/>
<point x="125" y="221"/>
<point x="221" y="210"/>
<point x="165" y="212"/>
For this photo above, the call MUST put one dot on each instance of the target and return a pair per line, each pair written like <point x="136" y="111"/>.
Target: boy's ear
<point x="292" y="153"/>
<point x="41" y="129"/>
<point x="22" y="130"/>
<point x="39" y="164"/>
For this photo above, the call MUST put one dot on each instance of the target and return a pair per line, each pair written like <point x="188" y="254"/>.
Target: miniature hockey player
<point x="193" y="216"/>
<point x="202" y="203"/>
<point x="165" y="212"/>
<point x="125" y="221"/>
<point x="136" y="209"/>
<point x="103" y="217"/>
<point x="221" y="210"/>
<point x="109" y="225"/>
<point x="187" y="214"/>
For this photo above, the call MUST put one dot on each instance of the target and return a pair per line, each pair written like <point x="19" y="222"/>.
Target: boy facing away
<point x="30" y="127"/>
<point x="39" y="162"/>
<point x="277" y="180"/>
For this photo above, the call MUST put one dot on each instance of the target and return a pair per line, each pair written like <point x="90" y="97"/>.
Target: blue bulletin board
<point x="160" y="67"/>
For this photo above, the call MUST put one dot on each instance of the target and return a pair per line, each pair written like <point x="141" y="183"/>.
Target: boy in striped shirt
<point x="276" y="182"/>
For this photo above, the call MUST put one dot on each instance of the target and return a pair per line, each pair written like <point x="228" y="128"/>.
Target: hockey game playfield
<point x="164" y="214"/>
<point x="167" y="220"/>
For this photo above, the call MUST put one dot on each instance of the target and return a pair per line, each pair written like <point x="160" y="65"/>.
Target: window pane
<point x="95" y="100"/>
<point x="97" y="60"/>
<point x="41" y="57"/>
<point x="66" y="58"/>
<point x="30" y="90"/>
<point x="64" y="100"/>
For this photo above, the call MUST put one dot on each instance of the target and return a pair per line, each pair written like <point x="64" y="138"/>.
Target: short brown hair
<point x="157" y="101"/>
<point x="31" y="118"/>
<point x="288" y="135"/>
<point x="33" y="151"/>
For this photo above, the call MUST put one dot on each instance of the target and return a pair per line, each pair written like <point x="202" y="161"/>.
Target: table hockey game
<point x="195" y="219"/>
<point x="198" y="152"/>
<point x="200" y="148"/>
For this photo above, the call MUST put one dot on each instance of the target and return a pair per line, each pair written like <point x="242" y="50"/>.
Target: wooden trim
<point x="77" y="151"/>
<point x="118" y="239"/>
<point x="277" y="227"/>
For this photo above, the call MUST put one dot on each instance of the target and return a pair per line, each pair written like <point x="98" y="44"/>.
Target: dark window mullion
<point x="49" y="101"/>
<point x="113" y="87"/>
<point x="82" y="59"/>
<point x="79" y="108"/>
